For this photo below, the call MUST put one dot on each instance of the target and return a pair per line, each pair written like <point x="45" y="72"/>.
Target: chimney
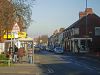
<point x="89" y="11"/>
<point x="86" y="12"/>
<point x="81" y="14"/>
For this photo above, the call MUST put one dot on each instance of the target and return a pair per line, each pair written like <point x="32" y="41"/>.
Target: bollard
<point x="9" y="63"/>
<point x="30" y="59"/>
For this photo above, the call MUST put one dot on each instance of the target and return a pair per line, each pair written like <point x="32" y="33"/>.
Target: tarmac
<point x="26" y="68"/>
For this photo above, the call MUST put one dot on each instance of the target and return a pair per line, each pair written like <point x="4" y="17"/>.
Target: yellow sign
<point x="9" y="36"/>
<point x="21" y="34"/>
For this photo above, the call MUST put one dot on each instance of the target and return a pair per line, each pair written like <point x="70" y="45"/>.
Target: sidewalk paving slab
<point x="21" y="69"/>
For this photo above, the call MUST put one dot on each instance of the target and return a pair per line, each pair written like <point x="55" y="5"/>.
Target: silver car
<point x="58" y="50"/>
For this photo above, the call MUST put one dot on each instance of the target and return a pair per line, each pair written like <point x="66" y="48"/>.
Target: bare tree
<point x="23" y="10"/>
<point x="6" y="16"/>
<point x="12" y="11"/>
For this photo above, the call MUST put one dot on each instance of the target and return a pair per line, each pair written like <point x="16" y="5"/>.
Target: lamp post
<point x="86" y="17"/>
<point x="86" y="26"/>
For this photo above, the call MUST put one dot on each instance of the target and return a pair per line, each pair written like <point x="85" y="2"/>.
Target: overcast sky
<point x="49" y="15"/>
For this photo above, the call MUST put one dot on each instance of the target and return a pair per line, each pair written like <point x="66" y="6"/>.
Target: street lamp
<point x="86" y="17"/>
<point x="86" y="26"/>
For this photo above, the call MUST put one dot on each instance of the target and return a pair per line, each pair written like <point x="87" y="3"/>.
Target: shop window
<point x="97" y="31"/>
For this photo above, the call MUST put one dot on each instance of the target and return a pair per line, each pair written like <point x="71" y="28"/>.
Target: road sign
<point x="22" y="34"/>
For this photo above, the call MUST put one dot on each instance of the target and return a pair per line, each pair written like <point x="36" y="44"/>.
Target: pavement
<point x="88" y="55"/>
<point x="21" y="69"/>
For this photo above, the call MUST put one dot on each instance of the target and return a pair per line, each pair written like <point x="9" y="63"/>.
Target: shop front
<point x="81" y="44"/>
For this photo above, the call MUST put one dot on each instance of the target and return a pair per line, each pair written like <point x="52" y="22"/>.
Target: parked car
<point x="51" y="49"/>
<point x="47" y="48"/>
<point x="43" y="47"/>
<point x="58" y="50"/>
<point x="36" y="48"/>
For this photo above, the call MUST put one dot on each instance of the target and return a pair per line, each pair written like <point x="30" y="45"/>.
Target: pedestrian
<point x="21" y="53"/>
<point x="10" y="50"/>
<point x="15" y="53"/>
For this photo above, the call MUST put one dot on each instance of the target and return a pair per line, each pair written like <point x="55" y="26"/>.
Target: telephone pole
<point x="86" y="26"/>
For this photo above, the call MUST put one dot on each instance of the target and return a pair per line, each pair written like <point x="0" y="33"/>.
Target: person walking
<point x="15" y="54"/>
<point x="21" y="53"/>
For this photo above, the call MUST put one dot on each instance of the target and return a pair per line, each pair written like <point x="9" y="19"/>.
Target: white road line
<point x="90" y="68"/>
<point x="50" y="70"/>
<point x="77" y="64"/>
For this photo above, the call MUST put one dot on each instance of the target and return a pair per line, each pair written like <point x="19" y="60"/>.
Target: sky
<point x="49" y="15"/>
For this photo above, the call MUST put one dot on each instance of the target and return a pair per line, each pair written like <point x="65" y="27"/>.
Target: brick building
<point x="84" y="34"/>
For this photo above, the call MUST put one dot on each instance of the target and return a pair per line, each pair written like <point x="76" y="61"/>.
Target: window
<point x="76" y="31"/>
<point x="71" y="31"/>
<point x="97" y="31"/>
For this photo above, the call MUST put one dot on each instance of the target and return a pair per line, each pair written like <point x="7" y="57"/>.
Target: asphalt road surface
<point x="49" y="63"/>
<point x="63" y="64"/>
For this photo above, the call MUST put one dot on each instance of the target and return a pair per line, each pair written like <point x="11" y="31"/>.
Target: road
<point x="48" y="63"/>
<point x="63" y="64"/>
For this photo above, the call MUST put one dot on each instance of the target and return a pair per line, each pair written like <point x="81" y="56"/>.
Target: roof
<point x="25" y="39"/>
<point x="83" y="20"/>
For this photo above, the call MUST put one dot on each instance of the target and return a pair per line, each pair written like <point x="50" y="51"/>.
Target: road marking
<point x="90" y="68"/>
<point x="50" y="70"/>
